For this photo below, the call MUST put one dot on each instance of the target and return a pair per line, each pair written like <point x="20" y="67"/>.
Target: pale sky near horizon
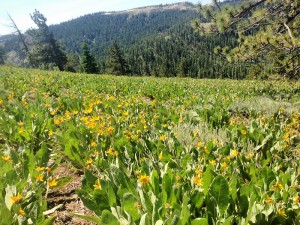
<point x="57" y="11"/>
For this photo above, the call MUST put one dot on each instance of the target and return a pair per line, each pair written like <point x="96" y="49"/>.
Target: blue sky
<point x="57" y="11"/>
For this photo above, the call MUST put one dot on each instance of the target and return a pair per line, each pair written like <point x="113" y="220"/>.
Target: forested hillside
<point x="156" y="41"/>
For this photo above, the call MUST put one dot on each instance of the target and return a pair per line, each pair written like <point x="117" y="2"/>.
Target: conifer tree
<point x="117" y="62"/>
<point x="268" y="32"/>
<point x="45" y="50"/>
<point x="88" y="62"/>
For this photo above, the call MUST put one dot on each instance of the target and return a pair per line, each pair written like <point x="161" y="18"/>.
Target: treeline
<point x="158" y="42"/>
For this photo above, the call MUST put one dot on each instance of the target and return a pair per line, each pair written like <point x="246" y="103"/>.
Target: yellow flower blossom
<point x="144" y="180"/>
<point x="6" y="158"/>
<point x="21" y="212"/>
<point x="249" y="156"/>
<point x="198" y="181"/>
<point x="20" y="123"/>
<point x="297" y="199"/>
<point x="199" y="144"/>
<point x="39" y="177"/>
<point x="52" y="183"/>
<point x="278" y="185"/>
<point x="109" y="130"/>
<point x="224" y="165"/>
<point x="268" y="200"/>
<point x="213" y="162"/>
<point x="56" y="121"/>
<point x="234" y="152"/>
<point x="282" y="213"/>
<point x="162" y="137"/>
<point x="39" y="169"/>
<point x="94" y="144"/>
<point x="160" y="156"/>
<point x="244" y="132"/>
<point x="50" y="133"/>
<point x="97" y="186"/>
<point x="1" y="102"/>
<point x="16" y="199"/>
<point x="198" y="171"/>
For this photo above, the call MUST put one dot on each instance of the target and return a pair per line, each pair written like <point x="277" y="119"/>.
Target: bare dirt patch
<point x="67" y="196"/>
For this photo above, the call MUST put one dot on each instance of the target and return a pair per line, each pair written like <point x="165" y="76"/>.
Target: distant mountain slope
<point x="127" y="27"/>
<point x="157" y="40"/>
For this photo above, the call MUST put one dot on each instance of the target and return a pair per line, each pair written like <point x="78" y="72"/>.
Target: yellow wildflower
<point x="213" y="162"/>
<point x="39" y="169"/>
<point x="16" y="199"/>
<point x="52" y="183"/>
<point x="97" y="186"/>
<point x="180" y="120"/>
<point x="39" y="177"/>
<point x="21" y="212"/>
<point x="199" y="144"/>
<point x="244" y="132"/>
<point x="56" y="121"/>
<point x="6" y="158"/>
<point x="297" y="199"/>
<point x="224" y="165"/>
<point x="234" y="152"/>
<point x="144" y="180"/>
<point x="1" y="102"/>
<point x="94" y="144"/>
<point x="249" y="156"/>
<point x="109" y="130"/>
<point x="50" y="133"/>
<point x="95" y="153"/>
<point x="278" y="185"/>
<point x="198" y="181"/>
<point x="268" y="200"/>
<point x="162" y="137"/>
<point x="20" y="123"/>
<point x="110" y="151"/>
<point x="160" y="156"/>
<point x="21" y="130"/>
<point x="282" y="213"/>
<point x="198" y="171"/>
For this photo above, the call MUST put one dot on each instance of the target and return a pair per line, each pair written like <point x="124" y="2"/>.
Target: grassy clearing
<point x="148" y="150"/>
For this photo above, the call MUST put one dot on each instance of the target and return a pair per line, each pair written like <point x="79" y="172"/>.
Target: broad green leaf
<point x="267" y="176"/>
<point x="185" y="212"/>
<point x="208" y="176"/>
<point x="129" y="205"/>
<point x="243" y="205"/>
<point x="199" y="221"/>
<point x="219" y="189"/>
<point x="42" y="156"/>
<point x="144" y="220"/>
<point x="48" y="221"/>
<point x="87" y="218"/>
<point x="176" y="220"/>
<point x="228" y="221"/>
<point x="10" y="191"/>
<point x="107" y="218"/>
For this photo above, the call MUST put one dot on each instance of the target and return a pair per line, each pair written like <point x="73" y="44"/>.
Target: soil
<point x="67" y="196"/>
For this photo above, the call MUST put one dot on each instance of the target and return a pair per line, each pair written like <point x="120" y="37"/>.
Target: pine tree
<point x="45" y="50"/>
<point x="88" y="62"/>
<point x="268" y="33"/>
<point x="117" y="62"/>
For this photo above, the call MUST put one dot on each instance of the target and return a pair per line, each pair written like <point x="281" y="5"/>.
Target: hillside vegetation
<point x="155" y="40"/>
